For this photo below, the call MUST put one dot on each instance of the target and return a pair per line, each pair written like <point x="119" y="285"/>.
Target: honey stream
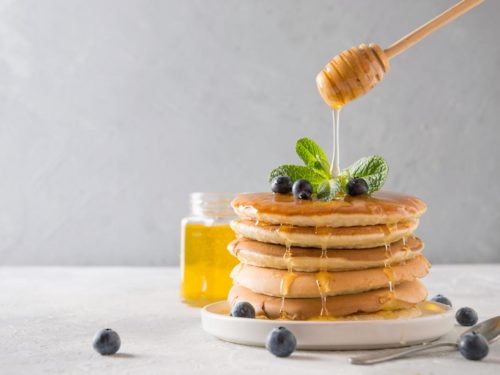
<point x="322" y="280"/>
<point x="335" y="167"/>
<point x="322" y="277"/>
<point x="389" y="272"/>
<point x="288" y="279"/>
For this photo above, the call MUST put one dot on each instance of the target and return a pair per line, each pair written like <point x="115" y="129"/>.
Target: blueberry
<point x="441" y="299"/>
<point x="357" y="186"/>
<point x="302" y="189"/>
<point x="281" y="185"/>
<point x="281" y="342"/>
<point x="243" y="310"/>
<point x="466" y="316"/>
<point x="106" y="342"/>
<point x="473" y="346"/>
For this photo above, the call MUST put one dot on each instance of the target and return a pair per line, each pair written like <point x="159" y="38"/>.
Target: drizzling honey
<point x="335" y="167"/>
<point x="388" y="251"/>
<point x="288" y="279"/>
<point x="285" y="285"/>
<point x="388" y="271"/>
<point x="388" y="229"/>
<point x="406" y="249"/>
<point x="323" y="280"/>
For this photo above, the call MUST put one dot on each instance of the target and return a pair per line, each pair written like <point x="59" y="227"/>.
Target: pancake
<point x="268" y="281"/>
<point x="406" y="296"/>
<point x="303" y="259"/>
<point x="327" y="237"/>
<point x="381" y="207"/>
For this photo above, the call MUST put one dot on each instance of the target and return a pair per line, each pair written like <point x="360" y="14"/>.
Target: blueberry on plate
<point x="357" y="186"/>
<point x="243" y="310"/>
<point x="473" y="346"/>
<point x="281" y="342"/>
<point x="281" y="185"/>
<point x="302" y="189"/>
<point x="441" y="299"/>
<point x="106" y="342"/>
<point x="466" y="316"/>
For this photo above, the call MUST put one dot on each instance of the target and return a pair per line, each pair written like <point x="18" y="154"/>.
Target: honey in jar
<point x="205" y="260"/>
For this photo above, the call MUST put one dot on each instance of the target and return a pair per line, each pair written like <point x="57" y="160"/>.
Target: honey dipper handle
<point x="436" y="23"/>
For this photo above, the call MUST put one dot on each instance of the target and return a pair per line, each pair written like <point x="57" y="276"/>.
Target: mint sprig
<point x="297" y="172"/>
<point x="373" y="169"/>
<point x="312" y="155"/>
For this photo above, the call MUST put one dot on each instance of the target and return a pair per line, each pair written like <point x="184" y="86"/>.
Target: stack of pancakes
<point x="349" y="258"/>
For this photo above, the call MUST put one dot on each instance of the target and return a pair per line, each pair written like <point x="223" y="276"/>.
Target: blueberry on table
<point x="357" y="186"/>
<point x="441" y="299"/>
<point x="473" y="346"/>
<point x="302" y="189"/>
<point x="106" y="342"/>
<point x="466" y="316"/>
<point x="281" y="185"/>
<point x="243" y="310"/>
<point x="281" y="342"/>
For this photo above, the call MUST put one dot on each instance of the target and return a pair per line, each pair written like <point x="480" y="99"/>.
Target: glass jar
<point x="205" y="261"/>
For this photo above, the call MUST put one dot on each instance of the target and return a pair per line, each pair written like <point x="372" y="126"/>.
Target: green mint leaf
<point x="373" y="169"/>
<point x="343" y="180"/>
<point x="297" y="172"/>
<point x="328" y="190"/>
<point x="313" y="155"/>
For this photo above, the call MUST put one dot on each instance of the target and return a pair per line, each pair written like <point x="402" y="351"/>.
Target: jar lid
<point x="211" y="204"/>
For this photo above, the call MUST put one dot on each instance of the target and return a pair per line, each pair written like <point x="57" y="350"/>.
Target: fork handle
<point x="377" y="357"/>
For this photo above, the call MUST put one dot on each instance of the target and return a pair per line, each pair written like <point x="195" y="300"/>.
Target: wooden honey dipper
<point x="357" y="70"/>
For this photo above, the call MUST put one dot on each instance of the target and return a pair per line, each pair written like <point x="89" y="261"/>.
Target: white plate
<point x="332" y="335"/>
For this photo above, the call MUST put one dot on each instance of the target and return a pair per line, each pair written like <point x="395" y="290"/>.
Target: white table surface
<point x="48" y="317"/>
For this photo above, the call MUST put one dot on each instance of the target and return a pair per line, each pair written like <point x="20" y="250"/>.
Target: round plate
<point x="436" y="321"/>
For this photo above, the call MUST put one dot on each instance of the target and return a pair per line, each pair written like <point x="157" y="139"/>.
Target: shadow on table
<point x="125" y="355"/>
<point x="490" y="359"/>
<point x="303" y="357"/>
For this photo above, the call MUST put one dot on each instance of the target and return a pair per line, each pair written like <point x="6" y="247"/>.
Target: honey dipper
<point x="357" y="70"/>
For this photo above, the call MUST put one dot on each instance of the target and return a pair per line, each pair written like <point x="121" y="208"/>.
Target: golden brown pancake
<point x="406" y="296"/>
<point x="325" y="237"/>
<point x="381" y="207"/>
<point x="304" y="259"/>
<point x="268" y="281"/>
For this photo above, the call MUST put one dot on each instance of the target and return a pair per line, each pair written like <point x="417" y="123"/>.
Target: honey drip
<point x="388" y="270"/>
<point x="322" y="281"/>
<point x="287" y="280"/>
<point x="406" y="249"/>
<point x="388" y="229"/>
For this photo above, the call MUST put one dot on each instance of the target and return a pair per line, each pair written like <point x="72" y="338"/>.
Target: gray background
<point x="111" y="112"/>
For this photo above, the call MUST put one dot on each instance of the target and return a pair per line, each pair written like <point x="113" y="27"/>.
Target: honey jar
<point x="205" y="260"/>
